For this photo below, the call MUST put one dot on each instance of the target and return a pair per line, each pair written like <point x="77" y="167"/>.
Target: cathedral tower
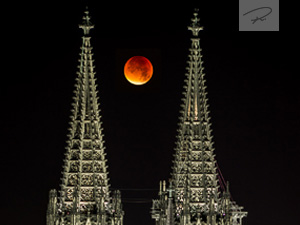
<point x="84" y="197"/>
<point x="193" y="196"/>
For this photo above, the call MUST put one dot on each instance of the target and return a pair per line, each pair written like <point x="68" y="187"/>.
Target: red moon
<point x="138" y="70"/>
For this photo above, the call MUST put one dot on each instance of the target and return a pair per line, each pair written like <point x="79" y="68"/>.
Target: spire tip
<point x="195" y="26"/>
<point x="86" y="25"/>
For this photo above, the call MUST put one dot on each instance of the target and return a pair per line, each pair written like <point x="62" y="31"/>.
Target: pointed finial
<point x="160" y="188"/>
<point x="227" y="187"/>
<point x="195" y="26"/>
<point x="170" y="189"/>
<point x="86" y="24"/>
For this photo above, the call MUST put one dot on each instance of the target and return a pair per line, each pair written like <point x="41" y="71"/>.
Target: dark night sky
<point x="254" y="104"/>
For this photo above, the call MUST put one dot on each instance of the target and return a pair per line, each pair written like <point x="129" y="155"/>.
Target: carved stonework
<point x="85" y="197"/>
<point x="194" y="192"/>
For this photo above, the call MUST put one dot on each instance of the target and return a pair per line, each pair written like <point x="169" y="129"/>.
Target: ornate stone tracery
<point x="194" y="191"/>
<point x="85" y="197"/>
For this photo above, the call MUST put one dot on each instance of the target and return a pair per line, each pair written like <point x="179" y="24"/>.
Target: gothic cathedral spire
<point x="85" y="196"/>
<point x="197" y="199"/>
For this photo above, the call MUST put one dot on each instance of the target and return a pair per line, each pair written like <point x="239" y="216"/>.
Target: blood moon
<point x="138" y="70"/>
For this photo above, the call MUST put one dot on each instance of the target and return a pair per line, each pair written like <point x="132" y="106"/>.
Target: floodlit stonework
<point x="85" y="197"/>
<point x="193" y="195"/>
<point x="196" y="193"/>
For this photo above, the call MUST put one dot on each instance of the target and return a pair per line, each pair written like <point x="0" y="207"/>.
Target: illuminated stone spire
<point x="85" y="193"/>
<point x="194" y="164"/>
<point x="197" y="197"/>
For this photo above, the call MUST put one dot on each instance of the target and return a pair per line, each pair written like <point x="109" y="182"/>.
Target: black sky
<point x="254" y="104"/>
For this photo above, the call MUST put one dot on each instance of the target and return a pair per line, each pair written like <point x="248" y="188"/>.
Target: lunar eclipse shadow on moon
<point x="138" y="70"/>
